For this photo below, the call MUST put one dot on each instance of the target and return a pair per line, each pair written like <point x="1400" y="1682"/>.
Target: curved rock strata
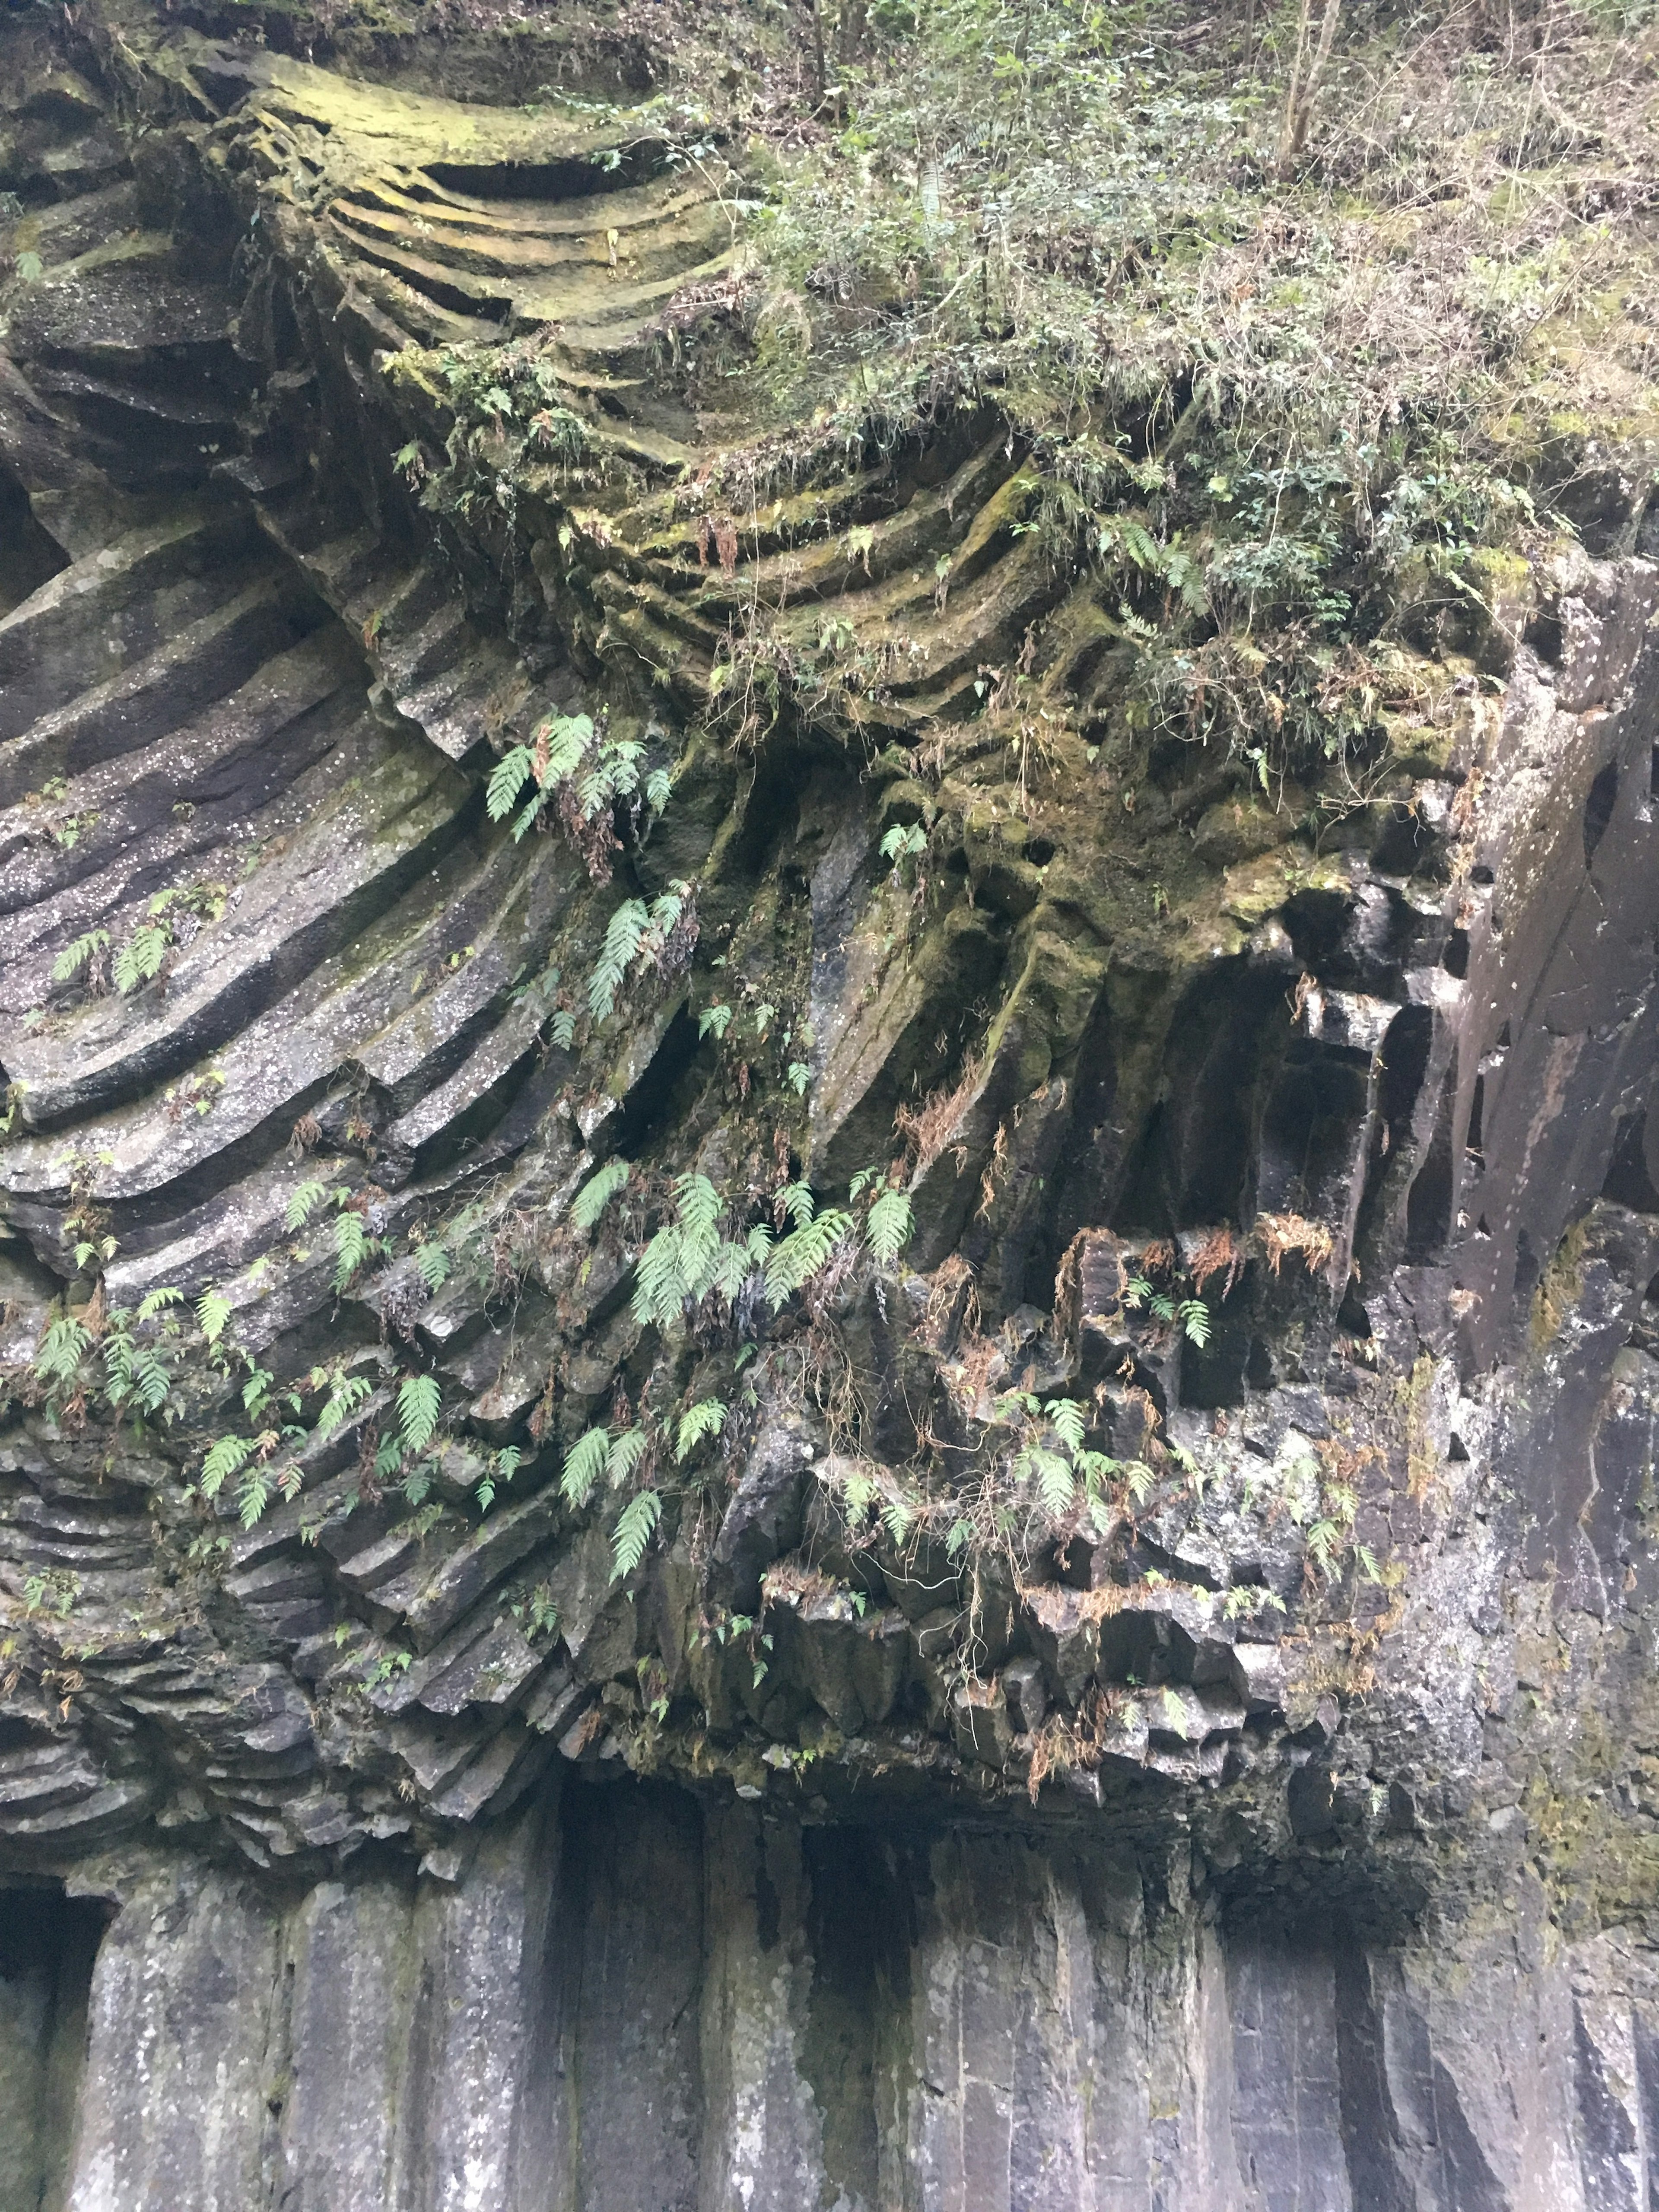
<point x="1282" y="1838"/>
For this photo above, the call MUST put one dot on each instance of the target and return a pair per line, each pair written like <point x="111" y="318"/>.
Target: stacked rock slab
<point x="332" y="1873"/>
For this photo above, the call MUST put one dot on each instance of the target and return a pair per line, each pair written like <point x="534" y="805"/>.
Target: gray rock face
<point x="1035" y="1755"/>
<point x="625" y="2000"/>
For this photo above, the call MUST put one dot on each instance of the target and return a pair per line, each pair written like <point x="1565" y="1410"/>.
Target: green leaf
<point x="584" y="1463"/>
<point x="800" y="1075"/>
<point x="1194" y="1316"/>
<point x="890" y="1226"/>
<point x="796" y="1199"/>
<point x="419" y="1400"/>
<point x="625" y="1454"/>
<point x="1068" y="1420"/>
<point x="622" y="941"/>
<point x="225" y="1458"/>
<point x="706" y="1418"/>
<point x="140" y="958"/>
<point x="793" y="1262"/>
<point x="597" y="1193"/>
<point x="157" y="1301"/>
<point x="507" y="779"/>
<point x="344" y="1400"/>
<point x="79" y="955"/>
<point x="351" y="1247"/>
<point x="715" y="1020"/>
<point x="304" y="1203"/>
<point x="635" y="1526"/>
<point x="432" y="1264"/>
<point x="58" y="1357"/>
<point x="213" y="1312"/>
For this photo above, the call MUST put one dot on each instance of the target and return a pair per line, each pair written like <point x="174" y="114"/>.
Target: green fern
<point x="713" y="1021"/>
<point x="352" y="1244"/>
<point x="225" y="1458"/>
<point x="159" y="1300"/>
<point x="625" y="1454"/>
<point x="706" y="1418"/>
<point x="140" y="958"/>
<point x="792" y="1262"/>
<point x="597" y="1193"/>
<point x="348" y="1393"/>
<point x="304" y="1203"/>
<point x="562" y="1029"/>
<point x="796" y="1199"/>
<point x="501" y="1469"/>
<point x="623" y="932"/>
<point x="567" y="737"/>
<point x="507" y="779"/>
<point x="659" y="1280"/>
<point x="635" y="1526"/>
<point x="419" y="1400"/>
<point x="1054" y="1477"/>
<point x="61" y="1350"/>
<point x="584" y="1463"/>
<point x="1068" y="1420"/>
<point x="890" y="1226"/>
<point x="432" y="1264"/>
<point x="79" y="955"/>
<point x="1194" y="1317"/>
<point x="213" y="1312"/>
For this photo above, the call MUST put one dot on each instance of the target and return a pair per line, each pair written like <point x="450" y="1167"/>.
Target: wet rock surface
<point x="1284" y="1837"/>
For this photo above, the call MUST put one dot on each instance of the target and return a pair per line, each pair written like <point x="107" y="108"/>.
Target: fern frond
<point x="1195" y="1320"/>
<point x="797" y="1201"/>
<point x="706" y="1418"/>
<point x="1068" y="1420"/>
<point x="79" y="955"/>
<point x="732" y="1270"/>
<point x="584" y="1463"/>
<point x="528" y="817"/>
<point x="304" y="1203"/>
<point x="507" y="779"/>
<point x="344" y="1400"/>
<point x="659" y="1285"/>
<point x="634" y="1528"/>
<point x="141" y="957"/>
<point x="622" y="941"/>
<point x="58" y="1357"/>
<point x="157" y="1301"/>
<point x="352" y="1242"/>
<point x="254" y="1494"/>
<point x="698" y="1204"/>
<point x="625" y="1454"/>
<point x="432" y="1264"/>
<point x="898" y="1516"/>
<point x="890" y="1226"/>
<point x="419" y="1400"/>
<point x="213" y="1312"/>
<point x="225" y="1458"/>
<point x="1140" y="1479"/>
<point x="567" y="737"/>
<point x="1056" y="1486"/>
<point x="597" y="1193"/>
<point x="792" y="1263"/>
<point x="151" y="1382"/>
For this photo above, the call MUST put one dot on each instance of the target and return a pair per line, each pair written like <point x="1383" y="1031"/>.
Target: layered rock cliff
<point x="787" y="1422"/>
